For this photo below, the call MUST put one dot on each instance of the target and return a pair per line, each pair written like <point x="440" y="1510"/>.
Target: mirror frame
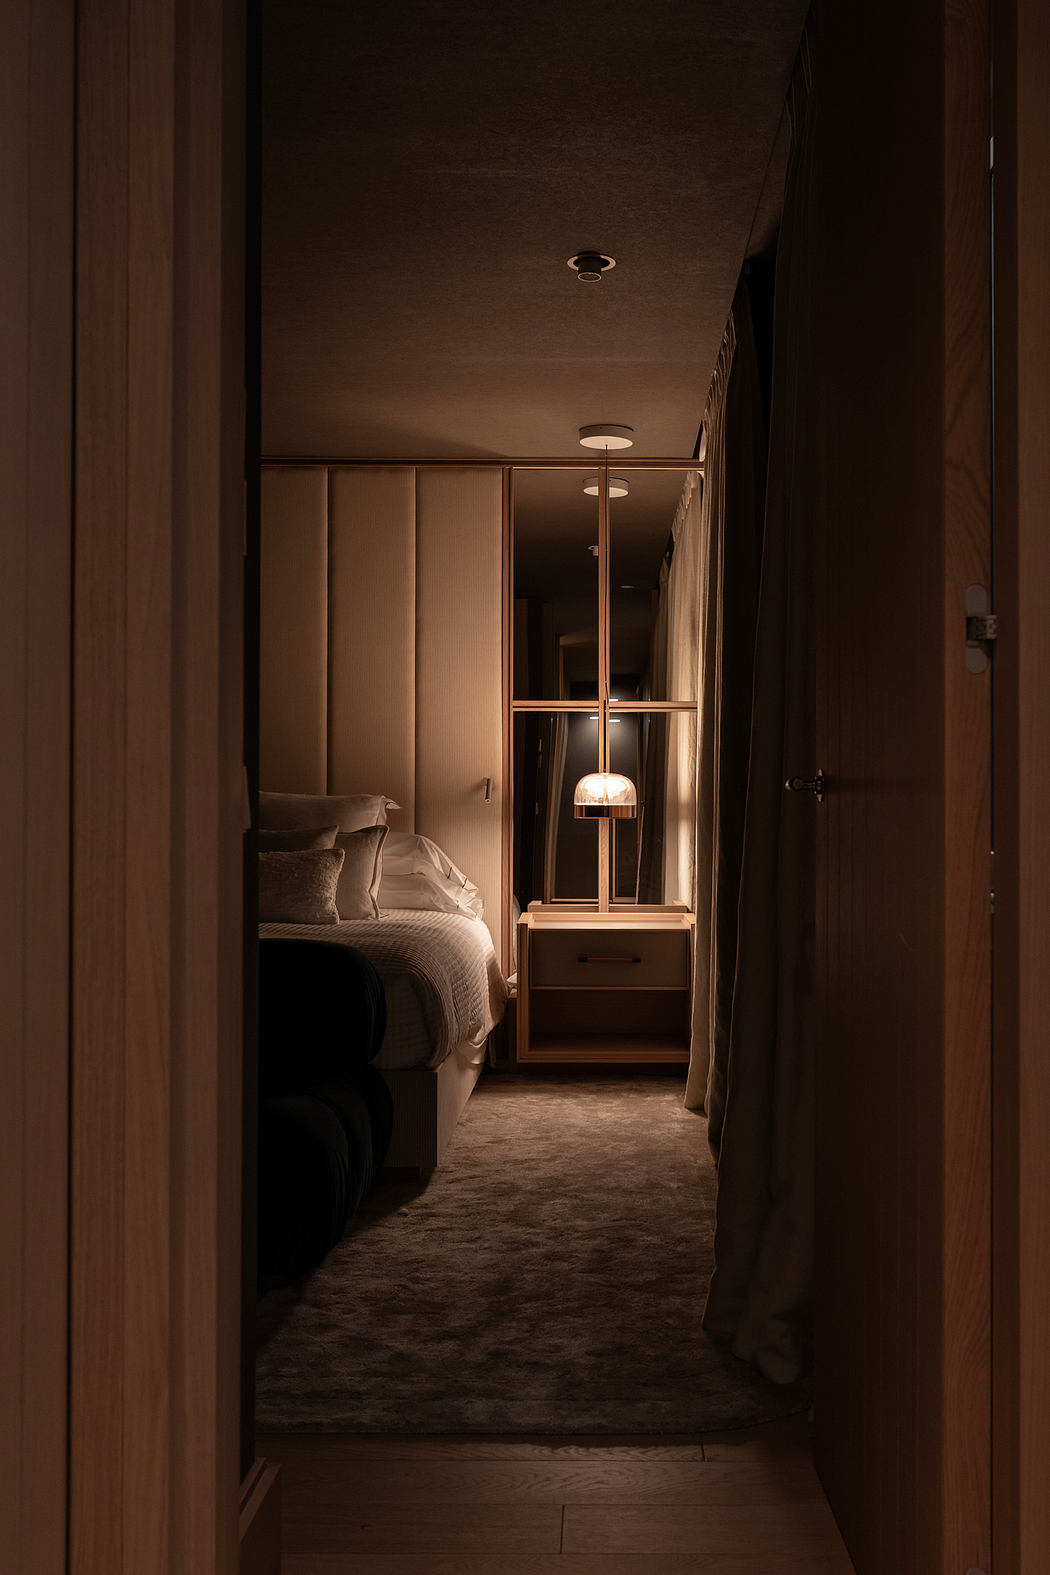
<point x="606" y="706"/>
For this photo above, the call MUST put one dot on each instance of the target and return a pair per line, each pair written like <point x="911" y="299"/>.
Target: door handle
<point x="816" y="785"/>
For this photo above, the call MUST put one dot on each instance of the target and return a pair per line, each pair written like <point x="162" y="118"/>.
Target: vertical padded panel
<point x="371" y="633"/>
<point x="459" y="671"/>
<point x="293" y="628"/>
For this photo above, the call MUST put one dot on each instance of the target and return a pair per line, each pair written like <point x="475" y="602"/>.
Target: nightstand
<point x="604" y="987"/>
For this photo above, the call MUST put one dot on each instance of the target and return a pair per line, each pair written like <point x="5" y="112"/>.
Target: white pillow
<point x="304" y="811"/>
<point x="418" y="874"/>
<point x="357" y="895"/>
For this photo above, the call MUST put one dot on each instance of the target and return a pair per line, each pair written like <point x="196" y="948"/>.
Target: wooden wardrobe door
<point x="902" y="521"/>
<point x="459" y="671"/>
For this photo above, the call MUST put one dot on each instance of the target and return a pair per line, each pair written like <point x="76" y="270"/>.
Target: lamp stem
<point x="604" y="836"/>
<point x="604" y="833"/>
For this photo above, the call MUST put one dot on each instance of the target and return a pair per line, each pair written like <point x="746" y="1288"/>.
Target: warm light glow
<point x="618" y="487"/>
<point x="605" y="795"/>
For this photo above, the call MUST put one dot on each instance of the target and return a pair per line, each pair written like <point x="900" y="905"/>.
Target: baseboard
<point x="260" y="1521"/>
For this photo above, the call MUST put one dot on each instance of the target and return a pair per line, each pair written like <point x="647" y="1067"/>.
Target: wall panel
<point x="293" y="624"/>
<point x="36" y="280"/>
<point x="371" y="633"/>
<point x="381" y="666"/>
<point x="459" y="597"/>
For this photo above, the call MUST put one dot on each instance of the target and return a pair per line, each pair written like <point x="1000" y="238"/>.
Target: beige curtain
<point x="667" y="862"/>
<point x="755" y="899"/>
<point x="684" y="580"/>
<point x="711" y="507"/>
<point x="730" y="526"/>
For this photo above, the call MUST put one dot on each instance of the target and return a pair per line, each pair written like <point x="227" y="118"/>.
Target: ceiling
<point x="430" y="165"/>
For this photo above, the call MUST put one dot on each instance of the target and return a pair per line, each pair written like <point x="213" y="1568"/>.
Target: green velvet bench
<point x="325" y="1113"/>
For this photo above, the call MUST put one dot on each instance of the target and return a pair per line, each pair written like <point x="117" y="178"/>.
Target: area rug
<point x="548" y="1278"/>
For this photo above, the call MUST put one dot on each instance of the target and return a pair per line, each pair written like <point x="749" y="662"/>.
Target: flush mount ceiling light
<point x="618" y="487"/>
<point x="590" y="266"/>
<point x="603" y="435"/>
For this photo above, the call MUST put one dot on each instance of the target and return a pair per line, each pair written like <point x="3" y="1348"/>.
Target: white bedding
<point x="443" y="982"/>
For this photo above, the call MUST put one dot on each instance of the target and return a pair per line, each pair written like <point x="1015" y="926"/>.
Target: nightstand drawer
<point x="604" y="958"/>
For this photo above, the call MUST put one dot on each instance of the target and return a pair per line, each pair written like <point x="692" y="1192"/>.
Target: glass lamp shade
<point x="605" y="795"/>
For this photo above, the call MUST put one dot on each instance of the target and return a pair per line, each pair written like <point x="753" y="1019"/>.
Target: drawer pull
<point x="585" y="959"/>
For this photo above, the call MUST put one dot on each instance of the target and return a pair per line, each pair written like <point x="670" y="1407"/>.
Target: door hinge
<point x="982" y="628"/>
<point x="991" y="882"/>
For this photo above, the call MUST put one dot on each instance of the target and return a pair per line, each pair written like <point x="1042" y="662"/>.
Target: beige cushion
<point x="297" y="841"/>
<point x="358" y="894"/>
<point x="299" y="888"/>
<point x="303" y="811"/>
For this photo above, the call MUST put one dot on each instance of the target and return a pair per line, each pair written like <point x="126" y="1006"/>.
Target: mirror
<point x="652" y="858"/>
<point x="639" y="648"/>
<point x="555" y="856"/>
<point x="555" y="588"/>
<point x="654" y="586"/>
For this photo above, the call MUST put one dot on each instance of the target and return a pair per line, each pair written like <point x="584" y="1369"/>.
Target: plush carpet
<point x="548" y="1278"/>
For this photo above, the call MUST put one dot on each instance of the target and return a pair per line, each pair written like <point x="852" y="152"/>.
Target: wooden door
<point x="901" y="328"/>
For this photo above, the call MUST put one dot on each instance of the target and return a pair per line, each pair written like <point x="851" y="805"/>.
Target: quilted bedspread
<point x="447" y="960"/>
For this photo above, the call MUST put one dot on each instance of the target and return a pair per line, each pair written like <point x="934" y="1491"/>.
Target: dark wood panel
<point x="1022" y="767"/>
<point x="156" y="867"/>
<point x="966" y="1294"/>
<point x="36" y="368"/>
<point x="901" y="406"/>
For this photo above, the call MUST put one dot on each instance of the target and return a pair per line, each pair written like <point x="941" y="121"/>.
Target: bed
<point x="331" y="869"/>
<point x="445" y="994"/>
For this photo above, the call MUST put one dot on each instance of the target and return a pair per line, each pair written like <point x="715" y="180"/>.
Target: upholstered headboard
<point x="381" y="647"/>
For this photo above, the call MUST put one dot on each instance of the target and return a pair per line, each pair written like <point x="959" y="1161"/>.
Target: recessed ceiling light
<point x="603" y="435"/>
<point x="618" y="487"/>
<point x="590" y="266"/>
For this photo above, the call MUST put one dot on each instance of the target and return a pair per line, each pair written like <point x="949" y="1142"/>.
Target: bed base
<point x="428" y="1102"/>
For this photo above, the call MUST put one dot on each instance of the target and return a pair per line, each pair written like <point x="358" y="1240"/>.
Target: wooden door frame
<point x="121" y="581"/>
<point x="157" y="796"/>
<point x="966" y="1159"/>
<point x="1021" y="1078"/>
<point x="36" y="391"/>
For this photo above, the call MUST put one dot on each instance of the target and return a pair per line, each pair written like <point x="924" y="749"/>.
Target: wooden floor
<point x="741" y="1503"/>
